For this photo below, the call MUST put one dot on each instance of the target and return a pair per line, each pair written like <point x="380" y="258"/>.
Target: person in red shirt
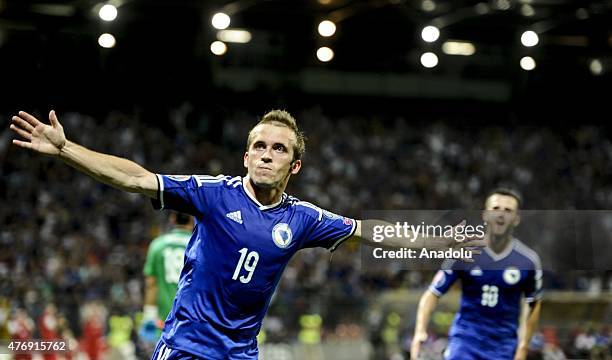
<point x="20" y="328"/>
<point x="48" y="328"/>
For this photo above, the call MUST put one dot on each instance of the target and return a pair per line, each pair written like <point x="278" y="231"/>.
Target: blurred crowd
<point x="67" y="240"/>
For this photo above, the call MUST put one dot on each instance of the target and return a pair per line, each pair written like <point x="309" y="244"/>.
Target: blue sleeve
<point x="185" y="193"/>
<point x="533" y="285"/>
<point x="445" y="278"/>
<point x="328" y="230"/>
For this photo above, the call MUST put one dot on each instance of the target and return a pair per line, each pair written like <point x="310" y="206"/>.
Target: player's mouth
<point x="264" y="169"/>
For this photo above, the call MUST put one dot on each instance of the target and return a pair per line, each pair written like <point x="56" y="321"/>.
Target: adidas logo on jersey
<point x="476" y="271"/>
<point x="236" y="216"/>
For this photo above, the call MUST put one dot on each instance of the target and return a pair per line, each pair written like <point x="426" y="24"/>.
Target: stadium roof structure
<point x="377" y="45"/>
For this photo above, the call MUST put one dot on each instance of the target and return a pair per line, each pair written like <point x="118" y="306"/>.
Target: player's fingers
<point x="474" y="237"/>
<point x="29" y="118"/>
<point x="416" y="348"/>
<point x="471" y="243"/>
<point x="23" y="124"/>
<point x="23" y="144"/>
<point x="21" y="132"/>
<point x="475" y="251"/>
<point x="461" y="224"/>
<point x="53" y="119"/>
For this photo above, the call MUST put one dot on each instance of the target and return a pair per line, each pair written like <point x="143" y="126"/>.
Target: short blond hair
<point x="283" y="118"/>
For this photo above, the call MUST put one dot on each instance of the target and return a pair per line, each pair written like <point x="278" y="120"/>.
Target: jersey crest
<point x="512" y="275"/>
<point x="281" y="235"/>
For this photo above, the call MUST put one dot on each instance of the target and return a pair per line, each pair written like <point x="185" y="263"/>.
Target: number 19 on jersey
<point x="248" y="261"/>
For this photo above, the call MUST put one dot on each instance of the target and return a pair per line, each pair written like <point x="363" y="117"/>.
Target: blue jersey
<point x="234" y="260"/>
<point x="492" y="288"/>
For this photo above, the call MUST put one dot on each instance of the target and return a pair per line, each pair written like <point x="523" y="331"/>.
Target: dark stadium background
<point x="373" y="116"/>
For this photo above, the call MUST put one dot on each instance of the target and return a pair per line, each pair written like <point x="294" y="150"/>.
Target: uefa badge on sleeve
<point x="281" y="235"/>
<point x="179" y="177"/>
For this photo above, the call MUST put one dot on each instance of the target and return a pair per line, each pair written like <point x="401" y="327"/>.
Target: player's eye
<point x="280" y="148"/>
<point x="259" y="145"/>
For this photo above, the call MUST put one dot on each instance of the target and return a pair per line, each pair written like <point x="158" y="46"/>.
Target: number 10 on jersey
<point x="248" y="260"/>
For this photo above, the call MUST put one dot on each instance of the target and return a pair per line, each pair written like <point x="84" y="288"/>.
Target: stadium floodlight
<point x="108" y="12"/>
<point x="463" y="48"/>
<point x="529" y="38"/>
<point x="503" y="4"/>
<point x="327" y="28"/>
<point x="428" y="5"/>
<point x="482" y="8"/>
<point x="430" y="33"/>
<point x="596" y="67"/>
<point x="107" y="41"/>
<point x="429" y="60"/>
<point x="527" y="10"/>
<point x="528" y="63"/>
<point x="221" y="21"/>
<point x="218" y="48"/>
<point x="325" y="54"/>
<point x="234" y="36"/>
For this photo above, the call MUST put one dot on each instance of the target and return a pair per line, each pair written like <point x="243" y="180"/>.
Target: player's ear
<point x="246" y="159"/>
<point x="296" y="166"/>
<point x="517" y="220"/>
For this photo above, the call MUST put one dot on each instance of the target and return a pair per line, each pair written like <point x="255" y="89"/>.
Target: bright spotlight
<point x="503" y="4"/>
<point x="430" y="33"/>
<point x="527" y="10"/>
<point x="596" y="67"/>
<point x="482" y="8"/>
<point x="325" y="54"/>
<point x="108" y="12"/>
<point x="429" y="60"/>
<point x="428" y="5"/>
<point x="218" y="48"/>
<point x="234" y="36"/>
<point x="529" y="38"/>
<point x="327" y="28"/>
<point x="107" y="41"/>
<point x="464" y="48"/>
<point x="528" y="63"/>
<point x="221" y="21"/>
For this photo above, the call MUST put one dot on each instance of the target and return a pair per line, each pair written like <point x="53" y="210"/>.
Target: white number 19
<point x="249" y="265"/>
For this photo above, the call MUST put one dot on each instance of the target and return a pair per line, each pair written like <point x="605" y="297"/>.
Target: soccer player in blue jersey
<point x="246" y="231"/>
<point x="494" y="286"/>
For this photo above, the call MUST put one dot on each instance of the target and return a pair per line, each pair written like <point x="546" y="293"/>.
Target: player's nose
<point x="267" y="155"/>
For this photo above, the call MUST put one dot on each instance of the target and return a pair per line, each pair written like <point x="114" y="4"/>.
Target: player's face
<point x="501" y="214"/>
<point x="269" y="159"/>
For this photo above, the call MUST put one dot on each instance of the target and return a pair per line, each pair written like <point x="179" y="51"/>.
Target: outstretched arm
<point x="117" y="172"/>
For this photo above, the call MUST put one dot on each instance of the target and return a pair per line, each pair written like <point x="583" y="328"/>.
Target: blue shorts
<point x="461" y="348"/>
<point x="163" y="352"/>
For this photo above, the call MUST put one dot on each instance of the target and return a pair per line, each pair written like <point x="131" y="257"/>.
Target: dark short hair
<point x="283" y="118"/>
<point x="507" y="192"/>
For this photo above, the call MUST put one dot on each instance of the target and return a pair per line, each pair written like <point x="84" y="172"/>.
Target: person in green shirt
<point x="162" y="270"/>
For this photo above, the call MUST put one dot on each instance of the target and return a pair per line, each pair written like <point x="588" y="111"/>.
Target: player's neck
<point x="266" y="196"/>
<point x="498" y="243"/>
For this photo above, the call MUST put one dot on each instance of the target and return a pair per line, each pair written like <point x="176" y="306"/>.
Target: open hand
<point x="42" y="138"/>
